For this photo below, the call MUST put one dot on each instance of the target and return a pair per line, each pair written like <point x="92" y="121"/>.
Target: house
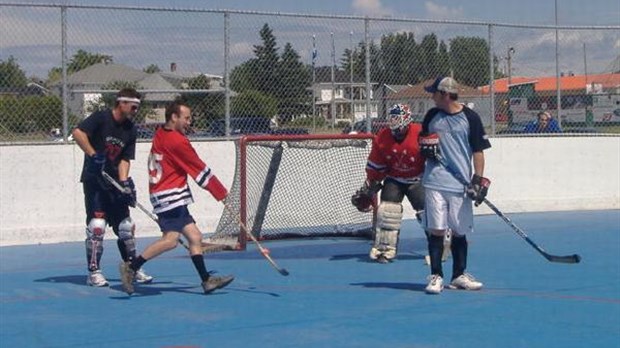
<point x="85" y="86"/>
<point x="420" y="101"/>
<point x="31" y="89"/>
<point x="349" y="96"/>
<point x="584" y="98"/>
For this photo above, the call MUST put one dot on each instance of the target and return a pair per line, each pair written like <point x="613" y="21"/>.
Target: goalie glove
<point x="363" y="198"/>
<point x="478" y="189"/>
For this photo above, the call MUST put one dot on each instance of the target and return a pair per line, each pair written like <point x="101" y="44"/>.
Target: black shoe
<point x="214" y="283"/>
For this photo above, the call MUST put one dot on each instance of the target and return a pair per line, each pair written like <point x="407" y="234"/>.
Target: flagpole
<point x="333" y="101"/>
<point x="314" y="55"/>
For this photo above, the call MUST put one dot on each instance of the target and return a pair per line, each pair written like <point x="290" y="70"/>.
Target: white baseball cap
<point x="443" y="84"/>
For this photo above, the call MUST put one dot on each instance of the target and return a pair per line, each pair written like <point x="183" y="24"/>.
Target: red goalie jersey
<point x="171" y="160"/>
<point x="400" y="161"/>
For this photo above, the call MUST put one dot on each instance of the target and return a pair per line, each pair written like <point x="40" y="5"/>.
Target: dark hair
<point x="175" y="107"/>
<point x="127" y="93"/>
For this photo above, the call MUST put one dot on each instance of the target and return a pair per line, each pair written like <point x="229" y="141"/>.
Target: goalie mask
<point x="400" y="117"/>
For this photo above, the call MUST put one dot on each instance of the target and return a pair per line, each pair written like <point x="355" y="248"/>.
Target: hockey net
<point x="296" y="186"/>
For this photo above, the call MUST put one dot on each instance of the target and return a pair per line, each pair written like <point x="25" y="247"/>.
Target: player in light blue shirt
<point x="455" y="133"/>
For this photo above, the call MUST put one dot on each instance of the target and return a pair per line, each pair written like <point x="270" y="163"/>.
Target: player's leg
<point x="389" y="216"/>
<point x="209" y="283"/>
<point x="95" y="230"/>
<point x="125" y="228"/>
<point x="436" y="224"/>
<point x="461" y="221"/>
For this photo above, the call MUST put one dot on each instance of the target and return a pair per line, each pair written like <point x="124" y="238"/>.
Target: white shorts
<point x="448" y="210"/>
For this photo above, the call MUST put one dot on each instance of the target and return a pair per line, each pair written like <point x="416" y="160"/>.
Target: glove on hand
<point x="130" y="195"/>
<point x="363" y="198"/>
<point x="429" y="145"/>
<point x="95" y="164"/>
<point x="478" y="189"/>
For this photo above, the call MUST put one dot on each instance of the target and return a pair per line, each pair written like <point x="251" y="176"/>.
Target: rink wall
<point x="41" y="200"/>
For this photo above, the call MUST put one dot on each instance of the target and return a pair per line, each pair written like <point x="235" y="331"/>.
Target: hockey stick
<point x="206" y="247"/>
<point x="553" y="258"/>
<point x="263" y="251"/>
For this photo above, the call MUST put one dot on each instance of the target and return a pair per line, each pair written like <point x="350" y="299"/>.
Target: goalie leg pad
<point x="94" y="242"/>
<point x="389" y="218"/>
<point x="126" y="232"/>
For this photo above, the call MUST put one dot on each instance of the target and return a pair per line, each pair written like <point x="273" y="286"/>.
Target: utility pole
<point x="511" y="51"/>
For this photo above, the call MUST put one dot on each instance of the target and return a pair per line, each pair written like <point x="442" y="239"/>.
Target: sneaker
<point x="214" y="283"/>
<point x="127" y="277"/>
<point x="435" y="284"/>
<point x="466" y="282"/>
<point x="142" y="277"/>
<point x="96" y="278"/>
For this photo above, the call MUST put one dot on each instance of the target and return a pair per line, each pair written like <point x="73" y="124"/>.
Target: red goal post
<point x="296" y="186"/>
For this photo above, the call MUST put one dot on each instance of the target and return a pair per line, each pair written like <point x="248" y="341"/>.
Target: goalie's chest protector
<point x="403" y="159"/>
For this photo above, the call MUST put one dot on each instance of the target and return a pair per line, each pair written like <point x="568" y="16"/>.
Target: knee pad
<point x="126" y="229"/>
<point x="96" y="229"/>
<point x="389" y="217"/>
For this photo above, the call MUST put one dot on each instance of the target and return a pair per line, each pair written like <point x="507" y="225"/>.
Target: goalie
<point x="394" y="167"/>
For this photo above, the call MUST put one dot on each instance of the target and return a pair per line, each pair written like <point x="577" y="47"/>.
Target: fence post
<point x="491" y="80"/>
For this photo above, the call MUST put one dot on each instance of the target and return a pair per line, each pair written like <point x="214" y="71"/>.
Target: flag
<point x="315" y="53"/>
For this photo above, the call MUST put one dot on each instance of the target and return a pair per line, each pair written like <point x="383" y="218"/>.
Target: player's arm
<point x="81" y="138"/>
<point x="187" y="158"/>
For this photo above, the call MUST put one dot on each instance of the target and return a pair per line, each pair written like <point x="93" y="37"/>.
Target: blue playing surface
<point x="334" y="297"/>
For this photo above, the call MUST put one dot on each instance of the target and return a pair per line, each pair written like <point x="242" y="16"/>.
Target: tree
<point x="254" y="103"/>
<point x="205" y="106"/>
<point x="80" y="60"/>
<point x="11" y="75"/>
<point x="266" y="78"/>
<point x="294" y="78"/>
<point x="398" y="58"/>
<point x="428" y="57"/>
<point x="470" y="60"/>
<point x="151" y="69"/>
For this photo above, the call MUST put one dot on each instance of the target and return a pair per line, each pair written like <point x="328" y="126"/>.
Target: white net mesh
<point x="296" y="186"/>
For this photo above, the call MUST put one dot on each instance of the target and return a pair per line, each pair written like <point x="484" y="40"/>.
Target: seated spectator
<point x="543" y="124"/>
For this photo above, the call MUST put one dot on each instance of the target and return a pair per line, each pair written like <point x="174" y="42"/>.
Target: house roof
<point x="102" y="74"/>
<point x="417" y="91"/>
<point x="548" y="83"/>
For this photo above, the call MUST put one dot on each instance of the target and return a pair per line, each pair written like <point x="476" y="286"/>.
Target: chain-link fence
<point x="250" y="72"/>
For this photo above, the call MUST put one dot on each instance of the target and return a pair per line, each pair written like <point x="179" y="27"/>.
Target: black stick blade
<point x="564" y="259"/>
<point x="283" y="272"/>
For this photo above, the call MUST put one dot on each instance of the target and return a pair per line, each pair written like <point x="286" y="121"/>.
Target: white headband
<point x="127" y="99"/>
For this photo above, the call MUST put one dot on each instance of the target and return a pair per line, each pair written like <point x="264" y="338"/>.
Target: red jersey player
<point x="171" y="160"/>
<point x="394" y="160"/>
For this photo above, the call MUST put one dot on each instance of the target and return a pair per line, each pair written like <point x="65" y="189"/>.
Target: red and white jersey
<point x="400" y="161"/>
<point x="171" y="160"/>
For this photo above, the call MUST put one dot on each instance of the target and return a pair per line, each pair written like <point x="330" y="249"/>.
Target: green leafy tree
<point x="205" y="106"/>
<point x="80" y="60"/>
<point x="267" y="59"/>
<point x="470" y="60"/>
<point x="11" y="75"/>
<point x="254" y="103"/>
<point x="151" y="69"/>
<point x="292" y="94"/>
<point x="398" y="58"/>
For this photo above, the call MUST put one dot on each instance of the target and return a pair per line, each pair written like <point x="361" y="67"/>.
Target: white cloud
<point x="437" y="11"/>
<point x="372" y="8"/>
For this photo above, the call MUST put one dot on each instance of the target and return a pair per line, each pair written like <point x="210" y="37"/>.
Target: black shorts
<point x="175" y="220"/>
<point x="394" y="191"/>
<point x="104" y="203"/>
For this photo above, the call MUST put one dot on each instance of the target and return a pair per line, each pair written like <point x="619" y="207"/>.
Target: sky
<point x="154" y="38"/>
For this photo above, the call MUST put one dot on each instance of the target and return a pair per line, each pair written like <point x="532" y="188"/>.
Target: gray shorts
<point x="448" y="210"/>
